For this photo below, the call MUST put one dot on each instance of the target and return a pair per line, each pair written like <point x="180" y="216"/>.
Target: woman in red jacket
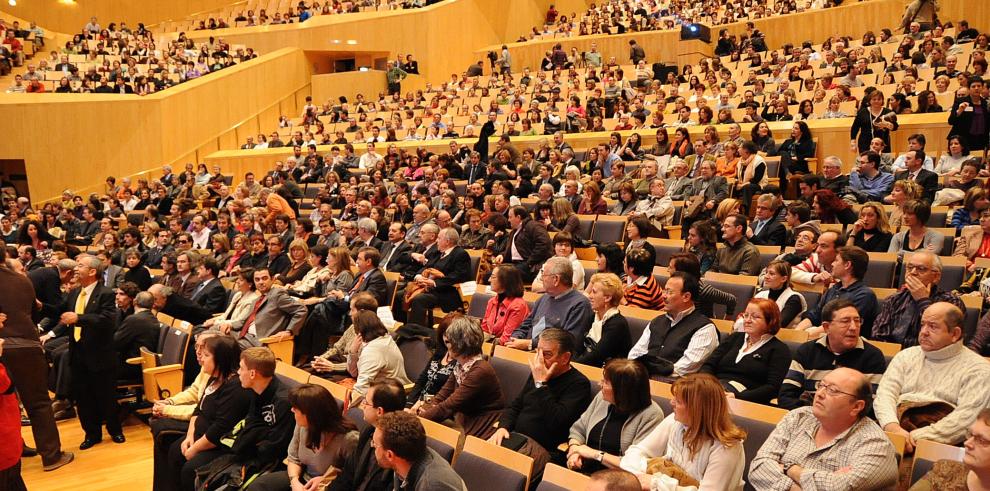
<point x="507" y="309"/>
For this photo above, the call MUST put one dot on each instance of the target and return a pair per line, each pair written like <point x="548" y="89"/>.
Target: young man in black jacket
<point x="361" y="471"/>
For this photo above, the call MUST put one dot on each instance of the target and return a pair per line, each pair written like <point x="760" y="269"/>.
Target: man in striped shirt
<point x="842" y="346"/>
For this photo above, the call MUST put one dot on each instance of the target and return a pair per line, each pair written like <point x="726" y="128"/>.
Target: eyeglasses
<point x="831" y="390"/>
<point x="979" y="440"/>
<point x="917" y="267"/>
<point x="183" y="241"/>
<point x="748" y="316"/>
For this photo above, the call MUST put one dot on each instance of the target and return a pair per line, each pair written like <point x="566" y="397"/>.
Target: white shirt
<point x="702" y="344"/>
<point x="201" y="239"/>
<point x="368" y="160"/>
<point x="899" y="165"/>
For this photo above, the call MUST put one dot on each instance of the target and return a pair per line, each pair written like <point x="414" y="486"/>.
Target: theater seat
<point x="609" y="229"/>
<point x="881" y="270"/>
<point x="929" y="452"/>
<point x="481" y="465"/>
<point x="665" y="248"/>
<point x="557" y="478"/>
<point x="479" y="302"/>
<point x="442" y="439"/>
<point x="512" y="375"/>
<point x="758" y="421"/>
<point x="415" y="356"/>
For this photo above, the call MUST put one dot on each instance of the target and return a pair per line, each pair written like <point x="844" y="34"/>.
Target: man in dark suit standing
<point x="210" y="293"/>
<point x="455" y="264"/>
<point x="528" y="246"/>
<point x="140" y="329"/>
<point x="89" y="313"/>
<point x="928" y="180"/>
<point x="765" y="229"/>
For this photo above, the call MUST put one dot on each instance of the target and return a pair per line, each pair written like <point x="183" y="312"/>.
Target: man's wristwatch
<point x="539" y="385"/>
<point x="600" y="457"/>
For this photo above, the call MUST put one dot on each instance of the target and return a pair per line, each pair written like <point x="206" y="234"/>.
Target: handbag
<point x="415" y="288"/>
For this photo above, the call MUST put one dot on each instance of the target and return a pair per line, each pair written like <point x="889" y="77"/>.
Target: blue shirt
<point x="875" y="188"/>
<point x="858" y="293"/>
<point x="570" y="311"/>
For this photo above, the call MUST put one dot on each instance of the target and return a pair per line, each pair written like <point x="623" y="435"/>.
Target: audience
<point x="899" y="318"/>
<point x="561" y="306"/>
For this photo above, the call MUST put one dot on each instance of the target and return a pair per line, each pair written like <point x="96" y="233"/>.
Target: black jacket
<point x="533" y="243"/>
<point x="212" y="297"/>
<point x="94" y="350"/>
<point x="926" y="178"/>
<point x="773" y="234"/>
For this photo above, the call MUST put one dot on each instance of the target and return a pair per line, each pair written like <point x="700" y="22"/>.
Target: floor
<point x="107" y="466"/>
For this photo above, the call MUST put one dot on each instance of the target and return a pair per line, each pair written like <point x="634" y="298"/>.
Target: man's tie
<point x="758" y="227"/>
<point x="80" y="310"/>
<point x="389" y="256"/>
<point x="357" y="284"/>
<point x="198" y="289"/>
<point x="254" y="312"/>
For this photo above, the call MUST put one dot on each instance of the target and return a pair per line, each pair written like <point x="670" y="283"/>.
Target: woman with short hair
<point x="777" y="287"/>
<point x="916" y="235"/>
<point x="699" y="437"/>
<point x="472" y="395"/>
<point x="507" y="309"/>
<point x="609" y="335"/>
<point x="620" y="415"/>
<point x="373" y="355"/>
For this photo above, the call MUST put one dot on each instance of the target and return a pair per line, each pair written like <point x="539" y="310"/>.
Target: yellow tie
<point x="80" y="309"/>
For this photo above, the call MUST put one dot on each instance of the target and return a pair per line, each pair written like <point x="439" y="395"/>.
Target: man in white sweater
<point x="940" y="370"/>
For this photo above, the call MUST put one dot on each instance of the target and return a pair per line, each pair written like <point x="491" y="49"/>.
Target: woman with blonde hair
<point x="872" y="231"/>
<point x="903" y="191"/>
<point x="725" y="208"/>
<point x="299" y="263"/>
<point x="608" y="337"/>
<point x="699" y="437"/>
<point x="564" y="219"/>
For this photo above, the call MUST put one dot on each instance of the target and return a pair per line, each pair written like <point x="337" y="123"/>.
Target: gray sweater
<point x="636" y="427"/>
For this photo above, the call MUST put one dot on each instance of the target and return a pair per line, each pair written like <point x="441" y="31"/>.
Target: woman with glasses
<point x="620" y="415"/>
<point x="472" y="395"/>
<point x="699" y="437"/>
<point x="751" y="364"/>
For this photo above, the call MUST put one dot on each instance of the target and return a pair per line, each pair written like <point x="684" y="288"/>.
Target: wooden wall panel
<point x="71" y="17"/>
<point x="348" y="84"/>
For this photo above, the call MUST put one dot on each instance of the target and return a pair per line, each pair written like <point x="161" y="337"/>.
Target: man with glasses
<point x="935" y="390"/>
<point x="830" y="445"/>
<point x="278" y="262"/>
<point x="361" y="471"/>
<point x="562" y="307"/>
<point x="899" y="320"/>
<point x="868" y="182"/>
<point x="184" y="242"/>
<point x="766" y="229"/>
<point x="841" y="346"/>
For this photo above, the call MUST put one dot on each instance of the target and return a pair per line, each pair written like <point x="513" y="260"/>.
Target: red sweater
<point x="10" y="423"/>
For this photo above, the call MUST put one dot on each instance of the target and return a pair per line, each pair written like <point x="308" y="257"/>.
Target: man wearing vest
<point x="677" y="343"/>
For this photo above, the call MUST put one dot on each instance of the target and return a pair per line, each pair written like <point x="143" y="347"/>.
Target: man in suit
<point x="421" y="217"/>
<point x="111" y="275"/>
<point x="528" y="246"/>
<point x="87" y="228"/>
<point x="169" y="302"/>
<point x="89" y="314"/>
<point x="210" y="293"/>
<point x="186" y="264"/>
<point x="475" y="170"/>
<point x="395" y="247"/>
<point x="140" y="329"/>
<point x="370" y="279"/>
<point x="163" y="245"/>
<point x="455" y="264"/>
<point x="276" y="314"/>
<point x="366" y="231"/>
<point x="928" y="180"/>
<point x="29" y="258"/>
<point x="413" y="260"/>
<point x="765" y="229"/>
<point x="713" y="189"/>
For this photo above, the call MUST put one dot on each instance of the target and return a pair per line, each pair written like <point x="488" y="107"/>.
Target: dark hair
<point x="858" y="257"/>
<point x="830" y="205"/>
<point x="919" y="208"/>
<point x="738" y="219"/>
<point x="686" y="262"/>
<point x="403" y="434"/>
<point x="812" y="180"/>
<point x="211" y="264"/>
<point x="800" y="209"/>
<point x="322" y="413"/>
<point x="510" y="278"/>
<point x="639" y="261"/>
<point x="565" y="341"/>
<point x="226" y="355"/>
<point x="520" y="212"/>
<point x="248" y="275"/>
<point x="630" y="385"/>
<point x="368" y="326"/>
<point x="129" y="288"/>
<point x="371" y="254"/>
<point x="389" y="395"/>
<point x="864" y="392"/>
<point x="613" y="258"/>
<point x="829" y="310"/>
<point x="563" y="237"/>
<point x="873" y="157"/>
<point x="690" y="282"/>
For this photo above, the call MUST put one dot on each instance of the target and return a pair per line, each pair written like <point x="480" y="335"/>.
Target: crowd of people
<point x="300" y="12"/>
<point x="262" y="261"/>
<point x="118" y="59"/>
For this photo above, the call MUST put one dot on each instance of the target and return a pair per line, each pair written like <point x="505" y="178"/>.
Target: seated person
<point x="739" y="256"/>
<point x="752" y="364"/>
<point x="848" y="269"/>
<point x="699" y="437"/>
<point x="507" y="310"/>
<point x="871" y="232"/>
<point x="276" y="313"/>
<point x="817" y="268"/>
<point x="321" y="442"/>
<point x="642" y="289"/>
<point x="777" y="287"/>
<point x="766" y="229"/>
<point x="438" y="369"/>
<point x="455" y="265"/>
<point x="974" y="470"/>
<point x="361" y="471"/>
<point x="859" y="455"/>
<point x="867" y="182"/>
<point x="899" y="319"/>
<point x="170" y="416"/>
<point x="334" y="360"/>
<point x="676" y="343"/>
<point x="609" y="334"/>
<point x="622" y="414"/>
<point x="910" y="404"/>
<point x="373" y="354"/>
<point x="561" y="306"/>
<point x="223" y="404"/>
<point x="400" y="445"/>
<point x="974" y="241"/>
<point x="139" y="330"/>
<point x="841" y="346"/>
<point x="472" y="396"/>
<point x="555" y="395"/>
<point x="915" y="234"/>
<point x="563" y="246"/>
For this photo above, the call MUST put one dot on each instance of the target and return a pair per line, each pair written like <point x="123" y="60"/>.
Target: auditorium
<point x="430" y="245"/>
